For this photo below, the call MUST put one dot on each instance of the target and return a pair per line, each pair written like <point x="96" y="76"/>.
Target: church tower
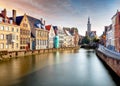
<point x="88" y="27"/>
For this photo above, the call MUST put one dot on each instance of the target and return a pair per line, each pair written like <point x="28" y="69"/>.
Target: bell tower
<point x="88" y="27"/>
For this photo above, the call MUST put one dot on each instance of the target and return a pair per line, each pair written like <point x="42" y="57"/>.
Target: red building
<point x="117" y="30"/>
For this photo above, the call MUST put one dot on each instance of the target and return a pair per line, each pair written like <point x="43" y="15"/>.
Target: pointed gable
<point x="48" y="27"/>
<point x="35" y="23"/>
<point x="55" y="30"/>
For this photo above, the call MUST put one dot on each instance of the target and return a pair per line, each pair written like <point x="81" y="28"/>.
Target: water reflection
<point x="64" y="68"/>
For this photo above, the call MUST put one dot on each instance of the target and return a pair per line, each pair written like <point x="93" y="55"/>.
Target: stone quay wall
<point x="113" y="63"/>
<point x="5" y="56"/>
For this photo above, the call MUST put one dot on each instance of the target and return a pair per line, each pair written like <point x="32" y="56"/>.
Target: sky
<point x="67" y="13"/>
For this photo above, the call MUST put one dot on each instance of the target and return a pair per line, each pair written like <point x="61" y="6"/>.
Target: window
<point x="16" y="45"/>
<point x="1" y="36"/>
<point x="13" y="37"/>
<point x="17" y="30"/>
<point x="7" y="46"/>
<point x="12" y="45"/>
<point x="16" y="37"/>
<point x="1" y="27"/>
<point x="12" y="29"/>
<point x="7" y="28"/>
<point x="28" y="40"/>
<point x="25" y="25"/>
<point x="1" y="46"/>
<point x="7" y="37"/>
<point x="20" y="31"/>
<point x="27" y="32"/>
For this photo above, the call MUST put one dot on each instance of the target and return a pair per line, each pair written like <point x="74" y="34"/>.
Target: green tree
<point x="86" y="40"/>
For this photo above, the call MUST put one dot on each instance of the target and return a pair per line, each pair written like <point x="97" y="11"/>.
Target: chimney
<point x="14" y="15"/>
<point x="41" y="20"/>
<point x="44" y="22"/>
<point x="4" y="13"/>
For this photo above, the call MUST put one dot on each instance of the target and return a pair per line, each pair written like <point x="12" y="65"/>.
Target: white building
<point x="110" y="37"/>
<point x="68" y="39"/>
<point x="61" y="34"/>
<point x="51" y="34"/>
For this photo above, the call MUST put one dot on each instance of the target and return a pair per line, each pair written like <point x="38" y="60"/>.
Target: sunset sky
<point x="68" y="13"/>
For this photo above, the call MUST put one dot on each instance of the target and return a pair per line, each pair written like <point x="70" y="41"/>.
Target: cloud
<point x="67" y="12"/>
<point x="46" y="8"/>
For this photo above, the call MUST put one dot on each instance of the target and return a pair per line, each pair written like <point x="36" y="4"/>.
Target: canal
<point x="65" y="68"/>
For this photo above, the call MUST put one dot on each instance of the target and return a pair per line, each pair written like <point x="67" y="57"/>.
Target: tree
<point x="86" y="40"/>
<point x="95" y="39"/>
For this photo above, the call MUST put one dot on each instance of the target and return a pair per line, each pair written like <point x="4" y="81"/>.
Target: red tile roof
<point x="48" y="27"/>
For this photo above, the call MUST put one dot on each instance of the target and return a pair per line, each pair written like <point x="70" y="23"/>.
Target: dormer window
<point x="38" y="25"/>
<point x="11" y="21"/>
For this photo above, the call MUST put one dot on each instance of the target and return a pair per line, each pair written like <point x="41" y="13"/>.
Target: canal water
<point x="66" y="68"/>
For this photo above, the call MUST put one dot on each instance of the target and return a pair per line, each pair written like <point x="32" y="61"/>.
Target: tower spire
<point x="88" y="20"/>
<point x="88" y="27"/>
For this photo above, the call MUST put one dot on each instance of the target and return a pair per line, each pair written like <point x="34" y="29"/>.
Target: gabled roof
<point x="48" y="27"/>
<point x="67" y="31"/>
<point x="18" y="19"/>
<point x="34" y="22"/>
<point x="55" y="29"/>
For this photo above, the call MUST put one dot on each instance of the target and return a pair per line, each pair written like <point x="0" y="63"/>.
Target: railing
<point x="108" y="52"/>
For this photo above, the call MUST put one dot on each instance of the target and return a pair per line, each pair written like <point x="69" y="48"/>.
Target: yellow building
<point x="9" y="33"/>
<point x="25" y="32"/>
<point x="32" y="33"/>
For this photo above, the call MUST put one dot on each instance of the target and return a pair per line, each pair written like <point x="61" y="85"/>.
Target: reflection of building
<point x="51" y="36"/>
<point x="9" y="33"/>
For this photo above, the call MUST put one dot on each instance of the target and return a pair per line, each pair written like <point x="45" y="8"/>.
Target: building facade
<point x="116" y="30"/>
<point x="9" y="33"/>
<point x="50" y="29"/>
<point x="110" y="38"/>
<point x="40" y="39"/>
<point x="68" y="38"/>
<point x="38" y="33"/>
<point x="88" y="28"/>
<point x="25" y="32"/>
<point x="61" y="34"/>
